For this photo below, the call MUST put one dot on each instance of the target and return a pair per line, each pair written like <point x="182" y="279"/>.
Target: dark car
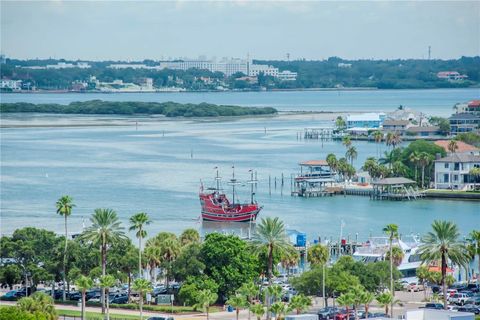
<point x="436" y="306"/>
<point x="473" y="287"/>
<point x="160" y="318"/>
<point x="473" y="300"/>
<point x="470" y="308"/>
<point x="379" y="315"/>
<point x="327" y="313"/>
<point x="74" y="296"/>
<point x="119" y="299"/>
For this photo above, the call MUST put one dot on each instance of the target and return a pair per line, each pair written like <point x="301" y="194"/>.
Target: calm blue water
<point x="437" y="102"/>
<point x="152" y="170"/>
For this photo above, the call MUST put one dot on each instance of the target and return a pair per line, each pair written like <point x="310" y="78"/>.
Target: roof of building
<point x="460" y="157"/>
<point x="393" y="181"/>
<point x="359" y="129"/>
<point x="364" y="117"/>
<point x="464" y="116"/>
<point x="395" y="122"/>
<point x="424" y="129"/>
<point x="314" y="163"/>
<point x="474" y="104"/>
<point x="462" y="147"/>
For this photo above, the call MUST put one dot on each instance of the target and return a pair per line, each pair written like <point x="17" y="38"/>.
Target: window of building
<point x="445" y="177"/>
<point x="446" y="165"/>
<point x="456" y="166"/>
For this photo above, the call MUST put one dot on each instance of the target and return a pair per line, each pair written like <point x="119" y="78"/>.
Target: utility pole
<point x="429" y="52"/>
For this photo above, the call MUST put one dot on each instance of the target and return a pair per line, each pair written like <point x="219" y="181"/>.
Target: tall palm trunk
<point x="104" y="271"/>
<point x="140" y="256"/>
<point x="129" y="290"/>
<point x="141" y="305"/>
<point x="444" y="286"/>
<point x="108" y="304"/>
<point x="391" y="275"/>
<point x="423" y="176"/>
<point x="65" y="261"/>
<point x="269" y="276"/>
<point x="237" y="312"/>
<point x="83" y="304"/>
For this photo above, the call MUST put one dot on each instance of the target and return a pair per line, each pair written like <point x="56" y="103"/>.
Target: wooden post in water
<point x="282" y="180"/>
<point x="269" y="185"/>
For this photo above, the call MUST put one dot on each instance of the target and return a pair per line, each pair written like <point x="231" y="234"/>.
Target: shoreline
<point x="233" y="91"/>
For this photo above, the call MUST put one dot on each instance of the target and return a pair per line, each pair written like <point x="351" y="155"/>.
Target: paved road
<point x="408" y="301"/>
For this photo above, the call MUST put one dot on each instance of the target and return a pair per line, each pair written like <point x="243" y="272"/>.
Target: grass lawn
<point x="96" y="315"/>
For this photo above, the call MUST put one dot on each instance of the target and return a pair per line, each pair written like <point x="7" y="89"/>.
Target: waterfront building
<point x="451" y="75"/>
<point x="426" y="131"/>
<point x="60" y="65"/>
<point x="256" y="69"/>
<point x="464" y="122"/>
<point x="453" y="171"/>
<point x="313" y="179"/>
<point x="287" y="75"/>
<point x="226" y="66"/>
<point x="365" y="120"/>
<point x="405" y="113"/>
<point x="468" y="107"/>
<point x="395" y="126"/>
<point x="10" y="85"/>
<point x="462" y="147"/>
<point x="129" y="66"/>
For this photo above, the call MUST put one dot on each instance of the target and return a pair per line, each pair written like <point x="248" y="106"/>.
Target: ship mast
<point x="217" y="178"/>
<point x="233" y="180"/>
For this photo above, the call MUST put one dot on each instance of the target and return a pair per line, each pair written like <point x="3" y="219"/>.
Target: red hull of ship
<point x="216" y="207"/>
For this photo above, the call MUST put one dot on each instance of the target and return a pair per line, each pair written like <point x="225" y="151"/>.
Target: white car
<point x="458" y="298"/>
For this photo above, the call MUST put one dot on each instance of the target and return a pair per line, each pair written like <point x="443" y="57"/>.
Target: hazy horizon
<point x="123" y="30"/>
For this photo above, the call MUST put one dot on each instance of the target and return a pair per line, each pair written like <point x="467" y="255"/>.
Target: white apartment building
<point x="287" y="75"/>
<point x="228" y="67"/>
<point x="14" y="85"/>
<point x="256" y="69"/>
<point x="62" y="65"/>
<point x="452" y="171"/>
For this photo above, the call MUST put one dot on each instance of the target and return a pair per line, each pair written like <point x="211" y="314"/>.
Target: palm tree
<point x="378" y="137"/>
<point x="38" y="303"/>
<point x="317" y="255"/>
<point x="258" y="310"/>
<point x="84" y="283"/>
<point x="415" y="160"/>
<point x="345" y="300"/>
<point x="105" y="230"/>
<point x="170" y="249"/>
<point x="332" y="162"/>
<point x="204" y="299"/>
<point x="351" y="154"/>
<point x="64" y="208"/>
<point x="340" y="123"/>
<point x="366" y="298"/>
<point x="106" y="282"/>
<point x="385" y="299"/>
<point x="137" y="222"/>
<point x="153" y="255"/>
<point x="237" y="301"/>
<point x="393" y="139"/>
<point x="300" y="303"/>
<point x="142" y="286"/>
<point x="442" y="244"/>
<point x="452" y="146"/>
<point x="423" y="275"/>
<point x="392" y="231"/>
<point x="347" y="141"/>
<point x="279" y="309"/>
<point x="189" y="236"/>
<point x="424" y="159"/>
<point x="289" y="259"/>
<point x="275" y="292"/>
<point x="271" y="234"/>
<point x="397" y="254"/>
<point x="249" y="290"/>
<point x="475" y="173"/>
<point x="474" y="245"/>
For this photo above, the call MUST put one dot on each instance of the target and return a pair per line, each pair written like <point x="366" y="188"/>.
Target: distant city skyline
<point x="158" y="30"/>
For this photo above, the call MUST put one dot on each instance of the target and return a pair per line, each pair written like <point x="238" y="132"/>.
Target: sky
<point x="313" y="30"/>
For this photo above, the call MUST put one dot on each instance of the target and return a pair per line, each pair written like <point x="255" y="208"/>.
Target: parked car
<point x="160" y="318"/>
<point x="342" y="315"/>
<point x="11" y="294"/>
<point x="379" y="315"/>
<point x="470" y="308"/>
<point x="458" y="298"/>
<point x="473" y="287"/>
<point x="74" y="296"/>
<point x="327" y="313"/>
<point x="119" y="299"/>
<point x="432" y="305"/>
<point x="414" y="287"/>
<point x="473" y="300"/>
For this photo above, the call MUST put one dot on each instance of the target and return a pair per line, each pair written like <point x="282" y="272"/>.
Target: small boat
<point x="217" y="207"/>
